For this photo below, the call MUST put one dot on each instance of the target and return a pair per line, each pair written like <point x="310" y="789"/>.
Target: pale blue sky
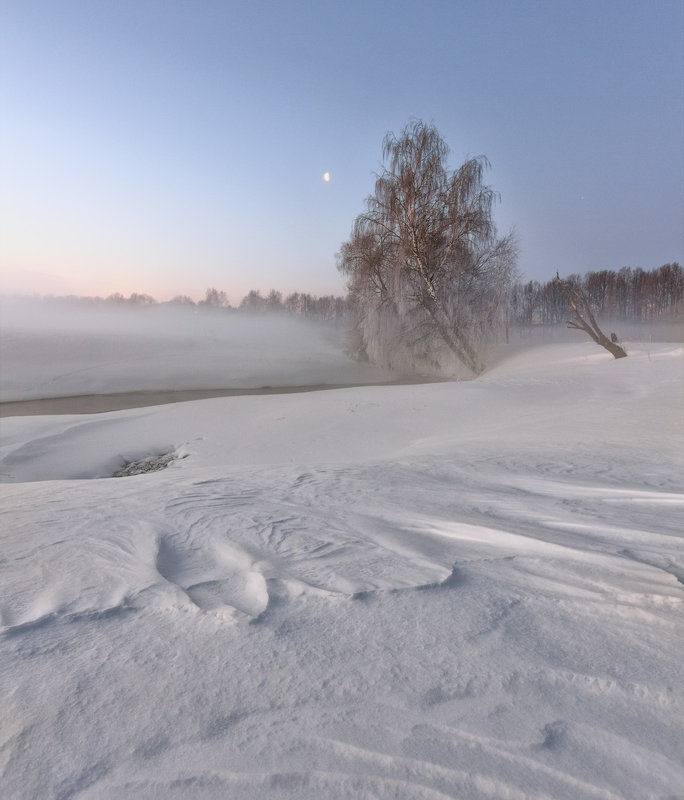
<point x="166" y="146"/>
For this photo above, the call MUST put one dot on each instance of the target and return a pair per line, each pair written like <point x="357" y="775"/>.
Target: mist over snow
<point x="50" y="349"/>
<point x="453" y="590"/>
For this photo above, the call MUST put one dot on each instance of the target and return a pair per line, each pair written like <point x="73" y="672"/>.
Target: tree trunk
<point x="576" y="297"/>
<point x="454" y="338"/>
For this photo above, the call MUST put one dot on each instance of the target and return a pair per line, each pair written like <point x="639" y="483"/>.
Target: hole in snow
<point x="151" y="463"/>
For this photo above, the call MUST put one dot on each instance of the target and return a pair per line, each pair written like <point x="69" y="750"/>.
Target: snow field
<point x="468" y="590"/>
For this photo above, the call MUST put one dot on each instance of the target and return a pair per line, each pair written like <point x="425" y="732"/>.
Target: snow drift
<point x="467" y="590"/>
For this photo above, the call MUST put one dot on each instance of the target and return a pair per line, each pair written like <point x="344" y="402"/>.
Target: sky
<point x="168" y="146"/>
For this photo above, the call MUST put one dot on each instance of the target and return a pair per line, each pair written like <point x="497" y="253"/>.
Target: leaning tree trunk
<point x="580" y="306"/>
<point x="453" y="336"/>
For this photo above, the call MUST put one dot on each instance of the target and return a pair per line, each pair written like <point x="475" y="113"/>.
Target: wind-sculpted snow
<point x="446" y="591"/>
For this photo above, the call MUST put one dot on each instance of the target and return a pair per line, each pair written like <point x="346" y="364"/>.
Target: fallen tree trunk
<point x="584" y="320"/>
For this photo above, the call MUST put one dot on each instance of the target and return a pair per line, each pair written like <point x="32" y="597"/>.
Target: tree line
<point x="323" y="308"/>
<point x="634" y="295"/>
<point x="627" y="294"/>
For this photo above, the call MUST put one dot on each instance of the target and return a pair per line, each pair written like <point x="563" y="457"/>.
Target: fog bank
<point x="55" y="350"/>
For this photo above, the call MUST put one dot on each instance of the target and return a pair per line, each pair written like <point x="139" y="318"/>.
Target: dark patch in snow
<point x="153" y="746"/>
<point x="151" y="463"/>
<point x="220" y="725"/>
<point x="554" y="735"/>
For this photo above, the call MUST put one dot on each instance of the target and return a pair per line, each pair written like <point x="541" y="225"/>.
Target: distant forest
<point x="633" y="295"/>
<point x="327" y="307"/>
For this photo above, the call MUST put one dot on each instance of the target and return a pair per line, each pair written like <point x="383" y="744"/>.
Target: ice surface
<point x="463" y="590"/>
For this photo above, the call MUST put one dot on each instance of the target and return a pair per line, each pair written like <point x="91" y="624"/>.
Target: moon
<point x="326" y="177"/>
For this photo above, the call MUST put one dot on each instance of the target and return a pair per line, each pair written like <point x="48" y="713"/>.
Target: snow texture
<point x="458" y="590"/>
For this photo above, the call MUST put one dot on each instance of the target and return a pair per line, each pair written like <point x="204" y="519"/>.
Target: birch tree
<point x="424" y="264"/>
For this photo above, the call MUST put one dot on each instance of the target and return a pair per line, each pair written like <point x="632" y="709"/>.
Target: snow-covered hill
<point x="462" y="590"/>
